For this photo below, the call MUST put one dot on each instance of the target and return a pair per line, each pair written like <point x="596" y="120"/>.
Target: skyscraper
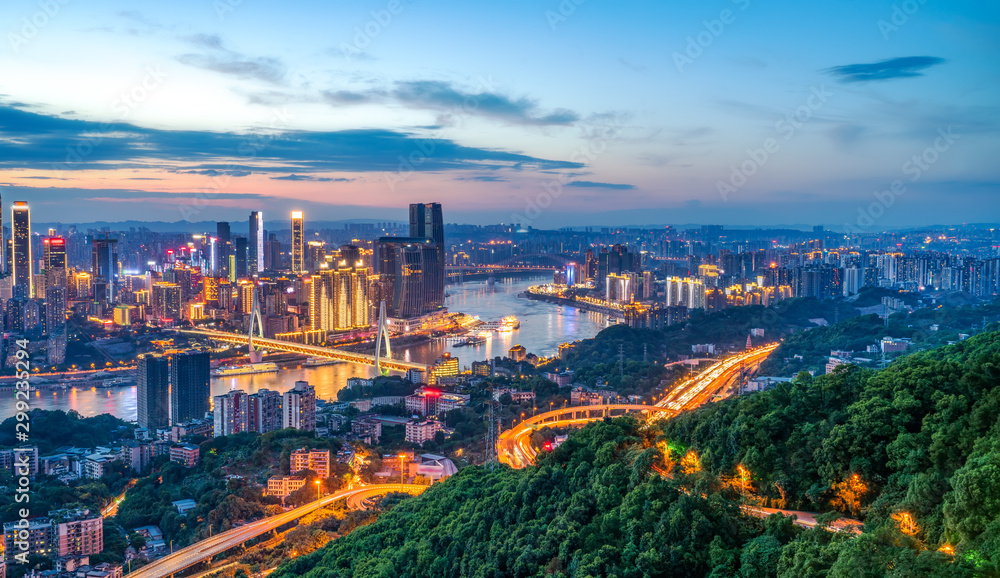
<point x="153" y="392"/>
<point x="189" y="386"/>
<point x="255" y="243"/>
<point x="427" y="221"/>
<point x="223" y="248"/>
<point x="20" y="224"/>
<point x="298" y="243"/>
<point x="55" y="252"/>
<point x="104" y="269"/>
<point x="240" y="247"/>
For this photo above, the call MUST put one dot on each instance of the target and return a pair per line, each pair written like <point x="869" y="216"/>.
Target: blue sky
<point x="550" y="113"/>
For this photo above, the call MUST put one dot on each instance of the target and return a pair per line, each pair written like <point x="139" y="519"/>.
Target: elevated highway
<point x="311" y="350"/>
<point x="210" y="547"/>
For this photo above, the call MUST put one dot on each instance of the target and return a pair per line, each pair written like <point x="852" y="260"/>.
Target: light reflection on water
<point x="543" y="327"/>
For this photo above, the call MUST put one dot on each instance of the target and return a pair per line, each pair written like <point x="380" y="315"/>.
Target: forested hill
<point x="922" y="437"/>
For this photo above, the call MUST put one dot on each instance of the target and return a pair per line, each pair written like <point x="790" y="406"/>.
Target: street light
<point x="319" y="490"/>
<point x="401" y="458"/>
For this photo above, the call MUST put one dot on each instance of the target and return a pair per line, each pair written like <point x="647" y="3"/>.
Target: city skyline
<point x="676" y="115"/>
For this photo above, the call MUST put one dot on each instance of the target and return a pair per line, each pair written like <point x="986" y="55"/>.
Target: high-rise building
<point x="299" y="407"/>
<point x="255" y="243"/>
<point x="223" y="249"/>
<point x="55" y="252"/>
<point x="104" y="270"/>
<point x="231" y="412"/>
<point x="427" y="221"/>
<point x="20" y="225"/>
<point x="153" y="392"/>
<point x="407" y="269"/>
<point x="298" y="243"/>
<point x="78" y="532"/>
<point x="189" y="386"/>
<point x="240" y="250"/>
<point x="166" y="301"/>
<point x="39" y="536"/>
<point x="265" y="411"/>
<point x="338" y="299"/>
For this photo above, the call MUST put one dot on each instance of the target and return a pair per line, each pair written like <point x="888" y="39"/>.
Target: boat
<point x="319" y="362"/>
<point x="471" y="341"/>
<point x="249" y="368"/>
<point x="116" y="382"/>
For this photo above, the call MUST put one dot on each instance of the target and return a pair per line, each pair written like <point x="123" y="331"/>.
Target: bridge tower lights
<point x="256" y="354"/>
<point x="383" y="331"/>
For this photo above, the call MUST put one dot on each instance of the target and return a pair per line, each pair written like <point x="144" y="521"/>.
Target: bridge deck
<point x="313" y="350"/>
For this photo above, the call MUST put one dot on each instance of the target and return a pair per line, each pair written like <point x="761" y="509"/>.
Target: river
<point x="543" y="327"/>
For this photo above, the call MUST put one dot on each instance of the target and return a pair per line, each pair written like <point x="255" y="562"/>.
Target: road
<point x="206" y="549"/>
<point x="514" y="445"/>
<point x="699" y="389"/>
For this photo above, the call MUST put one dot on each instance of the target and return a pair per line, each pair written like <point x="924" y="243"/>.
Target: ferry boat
<point x="116" y="382"/>
<point x="266" y="367"/>
<point x="320" y="361"/>
<point x="505" y="325"/>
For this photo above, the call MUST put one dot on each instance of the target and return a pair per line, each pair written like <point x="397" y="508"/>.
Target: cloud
<point x="218" y="58"/>
<point x="217" y="173"/>
<point x="484" y="179"/>
<point x="593" y="185"/>
<point x="443" y="96"/>
<point x="294" y="177"/>
<point x="30" y="140"/>
<point x="350" y="97"/>
<point x="266" y="69"/>
<point x="903" y="67"/>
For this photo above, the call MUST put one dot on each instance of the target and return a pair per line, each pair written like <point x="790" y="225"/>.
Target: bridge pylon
<point x="256" y="355"/>
<point x="383" y="331"/>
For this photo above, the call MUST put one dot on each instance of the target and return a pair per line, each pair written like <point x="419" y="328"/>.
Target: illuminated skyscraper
<point x="255" y="243"/>
<point x="153" y="392"/>
<point x="20" y="224"/>
<point x="427" y="221"/>
<point x="189" y="386"/>
<point x="298" y="243"/>
<point x="55" y="252"/>
<point x="104" y="269"/>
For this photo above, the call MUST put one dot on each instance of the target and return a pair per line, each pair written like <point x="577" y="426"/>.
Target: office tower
<point x="299" y="407"/>
<point x="231" y="413"/>
<point x="265" y="411"/>
<point x="255" y="243"/>
<point x="104" y="270"/>
<point x="272" y="252"/>
<point x="240" y="250"/>
<point x="153" y="392"/>
<point x="298" y="243"/>
<point x="21" y="266"/>
<point x="166" y="301"/>
<point x="406" y="269"/>
<point x="427" y="221"/>
<point x="222" y="232"/>
<point x="54" y="249"/>
<point x="315" y="255"/>
<point x="189" y="386"/>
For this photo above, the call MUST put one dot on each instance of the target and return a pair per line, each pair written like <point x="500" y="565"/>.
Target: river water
<point x="543" y="327"/>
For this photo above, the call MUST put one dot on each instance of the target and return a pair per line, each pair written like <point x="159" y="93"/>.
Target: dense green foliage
<point x="922" y="435"/>
<point x="53" y="429"/>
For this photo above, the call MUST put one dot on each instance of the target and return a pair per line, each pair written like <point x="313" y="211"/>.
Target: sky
<point x="863" y="114"/>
